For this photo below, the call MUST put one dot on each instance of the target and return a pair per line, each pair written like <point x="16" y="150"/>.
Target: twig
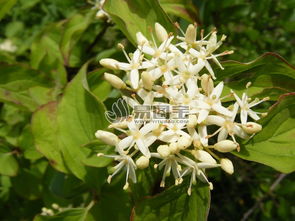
<point x="259" y="201"/>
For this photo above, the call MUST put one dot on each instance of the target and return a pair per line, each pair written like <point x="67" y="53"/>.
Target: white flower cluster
<point x="169" y="73"/>
<point x="51" y="211"/>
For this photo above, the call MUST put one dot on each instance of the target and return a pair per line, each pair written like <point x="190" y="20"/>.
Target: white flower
<point x="203" y="54"/>
<point x="246" y="107"/>
<point x="174" y="132"/>
<point x="227" y="125"/>
<point x="125" y="162"/>
<point x="171" y="163"/>
<point x="8" y="46"/>
<point x="195" y="169"/>
<point x="212" y="102"/>
<point x="137" y="136"/>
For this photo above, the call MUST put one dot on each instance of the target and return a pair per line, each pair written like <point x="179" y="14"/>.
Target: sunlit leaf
<point x="182" y="8"/>
<point x="137" y="15"/>
<point x="19" y="85"/>
<point x="45" y="135"/>
<point x="270" y="75"/>
<point x="9" y="165"/>
<point x="6" y="5"/>
<point x="275" y="144"/>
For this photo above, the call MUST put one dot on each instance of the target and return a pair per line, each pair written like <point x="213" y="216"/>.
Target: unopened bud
<point x="100" y="14"/>
<point x="142" y="162"/>
<point x="203" y="156"/>
<point x="210" y="186"/>
<point x="207" y="83"/>
<point x="252" y="128"/>
<point x="147" y="80"/>
<point x="173" y="147"/>
<point x="141" y="39"/>
<point x="225" y="146"/>
<point x="190" y="34"/>
<point x="227" y="165"/>
<point x="192" y="120"/>
<point x="161" y="32"/>
<point x="107" y="137"/>
<point x="120" y="124"/>
<point x="183" y="142"/>
<point x="197" y="143"/>
<point x="126" y="186"/>
<point x="109" y="63"/>
<point x="115" y="81"/>
<point x="55" y="206"/>
<point x="163" y="150"/>
<point x="248" y="84"/>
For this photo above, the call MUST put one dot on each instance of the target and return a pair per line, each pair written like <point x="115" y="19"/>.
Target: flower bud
<point x="163" y="150"/>
<point x="227" y="165"/>
<point x="207" y="83"/>
<point x="173" y="147"/>
<point x="197" y="143"/>
<point x="252" y="127"/>
<point x="101" y="14"/>
<point x="190" y="34"/>
<point x="120" y="124"/>
<point x="142" y="162"/>
<point x="203" y="156"/>
<point x="55" y="206"/>
<point x="109" y="63"/>
<point x="192" y="120"/>
<point x="141" y="39"/>
<point x="225" y="146"/>
<point x="161" y="32"/>
<point x="147" y="80"/>
<point x="183" y="142"/>
<point x="107" y="137"/>
<point x="115" y="81"/>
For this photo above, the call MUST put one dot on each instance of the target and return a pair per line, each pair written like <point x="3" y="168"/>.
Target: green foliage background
<point x="53" y="99"/>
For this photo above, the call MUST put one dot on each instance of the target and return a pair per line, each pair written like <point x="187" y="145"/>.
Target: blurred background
<point x="254" y="192"/>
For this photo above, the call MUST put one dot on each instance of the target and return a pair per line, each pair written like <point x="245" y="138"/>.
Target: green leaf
<point x="77" y="214"/>
<point x="137" y="15"/>
<point x="270" y="75"/>
<point x="9" y="165"/>
<point x="6" y="5"/>
<point x="45" y="135"/>
<point x="73" y="29"/>
<point x="175" y="204"/>
<point x="28" y="184"/>
<point x="114" y="204"/>
<point x="97" y="147"/>
<point x="80" y="114"/>
<point x="46" y="55"/>
<point x="61" y="130"/>
<point x="66" y="186"/>
<point x="181" y="8"/>
<point x="26" y="143"/>
<point x="98" y="86"/>
<point x="274" y="145"/>
<point x="19" y="85"/>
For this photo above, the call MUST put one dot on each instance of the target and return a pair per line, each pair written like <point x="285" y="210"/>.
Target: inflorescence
<point x="176" y="71"/>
